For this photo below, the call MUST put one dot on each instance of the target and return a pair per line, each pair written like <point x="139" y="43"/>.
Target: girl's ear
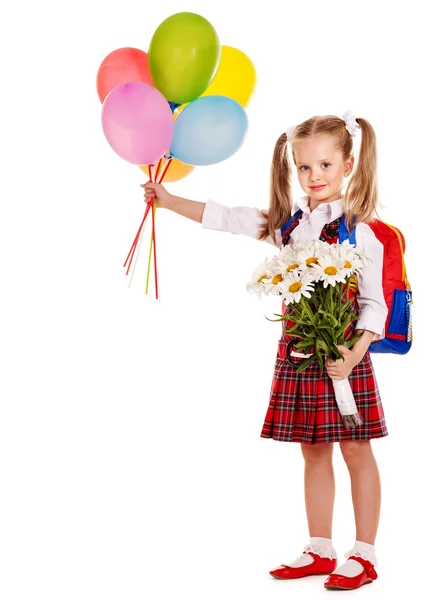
<point x="349" y="162"/>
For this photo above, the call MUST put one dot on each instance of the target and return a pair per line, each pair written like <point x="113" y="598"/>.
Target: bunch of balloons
<point x="184" y="100"/>
<point x="179" y="106"/>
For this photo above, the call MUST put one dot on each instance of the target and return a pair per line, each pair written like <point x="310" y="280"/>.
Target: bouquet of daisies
<point x="313" y="278"/>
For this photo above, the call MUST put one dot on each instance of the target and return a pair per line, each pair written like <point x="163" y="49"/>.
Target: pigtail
<point x="280" y="192"/>
<point x="361" y="197"/>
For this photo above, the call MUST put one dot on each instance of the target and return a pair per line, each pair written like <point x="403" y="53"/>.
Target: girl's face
<point x="321" y="168"/>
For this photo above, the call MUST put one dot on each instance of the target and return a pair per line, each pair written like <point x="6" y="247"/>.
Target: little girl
<point x="302" y="406"/>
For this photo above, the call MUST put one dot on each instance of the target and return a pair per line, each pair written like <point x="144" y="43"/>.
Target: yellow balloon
<point x="235" y="77"/>
<point x="176" y="171"/>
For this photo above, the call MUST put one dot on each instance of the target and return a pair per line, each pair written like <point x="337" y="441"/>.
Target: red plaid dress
<point x="303" y="407"/>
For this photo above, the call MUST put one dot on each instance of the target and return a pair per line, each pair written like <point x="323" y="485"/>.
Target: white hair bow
<point x="290" y="132"/>
<point x="350" y="122"/>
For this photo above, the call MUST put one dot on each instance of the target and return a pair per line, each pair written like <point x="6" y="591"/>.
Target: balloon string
<point x="170" y="160"/>
<point x="149" y="264"/>
<point x="154" y="246"/>
<point x="138" y="251"/>
<point x="158" y="169"/>
<point x="136" y="239"/>
<point x="153" y="249"/>
<point x="138" y="231"/>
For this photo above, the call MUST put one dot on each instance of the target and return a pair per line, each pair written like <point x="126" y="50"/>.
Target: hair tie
<point x="350" y="122"/>
<point x="290" y="132"/>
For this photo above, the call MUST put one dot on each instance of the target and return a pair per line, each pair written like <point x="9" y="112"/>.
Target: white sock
<point x="318" y="545"/>
<point x="351" y="567"/>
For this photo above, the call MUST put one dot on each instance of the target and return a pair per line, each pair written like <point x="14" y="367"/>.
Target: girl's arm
<point x="245" y="220"/>
<point x="187" y="208"/>
<point x="361" y="346"/>
<point x="372" y="306"/>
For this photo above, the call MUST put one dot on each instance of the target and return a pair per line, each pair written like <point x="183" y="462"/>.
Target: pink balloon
<point x="137" y="122"/>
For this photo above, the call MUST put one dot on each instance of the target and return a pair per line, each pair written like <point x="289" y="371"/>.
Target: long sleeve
<point x="245" y="220"/>
<point x="372" y="307"/>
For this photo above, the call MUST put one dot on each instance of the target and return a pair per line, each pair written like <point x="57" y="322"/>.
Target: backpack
<point x="396" y="288"/>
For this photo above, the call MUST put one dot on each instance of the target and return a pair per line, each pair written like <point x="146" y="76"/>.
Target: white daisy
<point x="310" y="253"/>
<point x="261" y="273"/>
<point x="294" y="285"/>
<point x="289" y="260"/>
<point x="271" y="284"/>
<point x="329" y="269"/>
<point x="349" y="258"/>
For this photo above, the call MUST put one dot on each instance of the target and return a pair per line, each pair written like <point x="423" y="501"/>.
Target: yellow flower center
<point x="276" y="279"/>
<point x="291" y="267"/>
<point x="330" y="270"/>
<point x="348" y="264"/>
<point x="295" y="287"/>
<point x="262" y="278"/>
<point x="311" y="261"/>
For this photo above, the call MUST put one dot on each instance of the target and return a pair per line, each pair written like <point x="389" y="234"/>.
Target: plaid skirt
<point x="303" y="406"/>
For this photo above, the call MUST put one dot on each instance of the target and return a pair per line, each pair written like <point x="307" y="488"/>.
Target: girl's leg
<point x="319" y="488"/>
<point x="365" y="487"/>
<point x="319" y="500"/>
<point x="366" y="495"/>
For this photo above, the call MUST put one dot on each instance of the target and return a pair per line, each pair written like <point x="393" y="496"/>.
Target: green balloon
<point x="184" y="56"/>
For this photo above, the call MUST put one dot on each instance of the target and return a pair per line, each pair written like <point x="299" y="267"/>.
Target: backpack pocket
<point x="400" y="314"/>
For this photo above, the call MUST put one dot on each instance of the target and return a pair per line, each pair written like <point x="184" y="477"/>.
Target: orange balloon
<point x="176" y="171"/>
<point x="122" y="66"/>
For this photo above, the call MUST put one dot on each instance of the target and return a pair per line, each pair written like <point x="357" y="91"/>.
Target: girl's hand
<point x="341" y="369"/>
<point x="156" y="190"/>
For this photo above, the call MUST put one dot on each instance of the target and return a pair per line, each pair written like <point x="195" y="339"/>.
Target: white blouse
<point x="246" y="220"/>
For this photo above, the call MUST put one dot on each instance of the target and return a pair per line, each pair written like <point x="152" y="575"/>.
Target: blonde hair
<point x="361" y="196"/>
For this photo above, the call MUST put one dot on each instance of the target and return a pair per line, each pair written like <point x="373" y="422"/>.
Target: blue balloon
<point x="209" y="130"/>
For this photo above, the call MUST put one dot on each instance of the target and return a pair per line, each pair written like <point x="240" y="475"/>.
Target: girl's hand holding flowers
<point x="341" y="368"/>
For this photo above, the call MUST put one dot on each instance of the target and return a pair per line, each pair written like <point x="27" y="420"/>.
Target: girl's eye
<point x="302" y="168"/>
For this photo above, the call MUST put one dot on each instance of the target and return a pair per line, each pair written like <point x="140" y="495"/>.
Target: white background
<point x="130" y="459"/>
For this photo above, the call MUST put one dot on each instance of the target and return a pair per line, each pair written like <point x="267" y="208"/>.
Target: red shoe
<point x="320" y="566"/>
<point x="342" y="582"/>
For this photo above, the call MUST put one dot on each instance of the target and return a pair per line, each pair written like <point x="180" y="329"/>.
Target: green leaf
<point x="323" y="346"/>
<point x="353" y="340"/>
<point x="319" y="355"/>
<point x="341" y="330"/>
<point x="330" y="317"/>
<point x="282" y="318"/>
<point x="345" y="307"/>
<point x="307" y="343"/>
<point x="326" y="335"/>
<point x="304" y="364"/>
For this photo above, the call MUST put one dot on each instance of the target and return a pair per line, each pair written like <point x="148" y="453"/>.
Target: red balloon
<point x="122" y="66"/>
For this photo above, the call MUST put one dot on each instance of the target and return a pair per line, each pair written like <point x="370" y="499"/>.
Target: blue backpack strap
<point x="344" y="233"/>
<point x="290" y="222"/>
